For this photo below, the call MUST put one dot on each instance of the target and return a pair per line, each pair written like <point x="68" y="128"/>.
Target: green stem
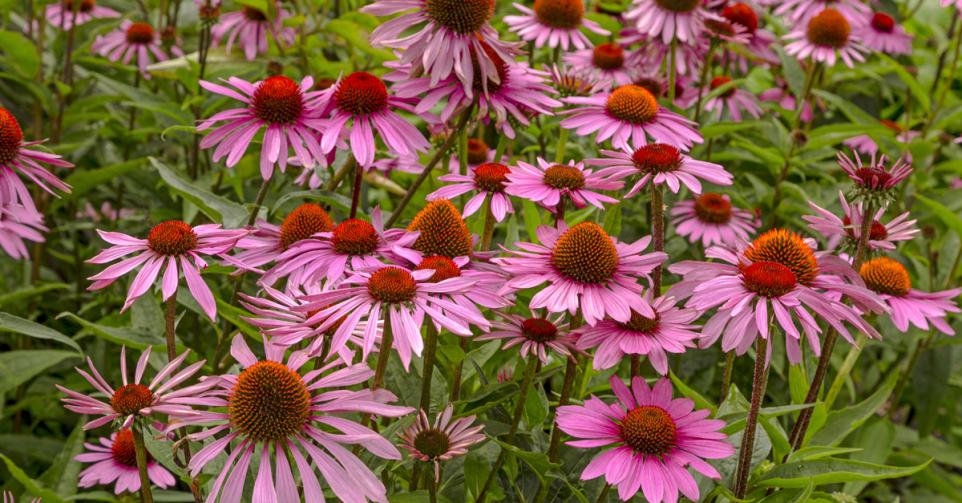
<point x="920" y="347"/>
<point x="383" y="353"/>
<point x="356" y="193"/>
<point x="462" y="122"/>
<point x="169" y="320"/>
<point x="430" y="347"/>
<point x="140" y="453"/>
<point x="672" y="73"/>
<point x="844" y="371"/>
<point x="703" y="80"/>
<point x="727" y="376"/>
<point x="559" y="153"/>
<point x="488" y="234"/>
<point x="515" y="421"/>
<point x="658" y="233"/>
<point x="258" y="201"/>
<point x="759" y="382"/>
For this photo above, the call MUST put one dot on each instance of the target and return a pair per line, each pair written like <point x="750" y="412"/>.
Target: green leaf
<point x="722" y="128"/>
<point x="918" y="92"/>
<point x="840" y="423"/>
<point x="832" y="471"/>
<point x="951" y="219"/>
<point x="85" y="180"/>
<point x="63" y="472"/>
<point x="128" y="336"/>
<point x="30" y="292"/>
<point x="18" y="367"/>
<point x="792" y="71"/>
<point x="233" y="314"/>
<point x="20" y="53"/>
<point x="357" y="37"/>
<point x="32" y="486"/>
<point x="819" y="451"/>
<point x="229" y="213"/>
<point x="321" y="196"/>
<point x="875" y="440"/>
<point x="538" y="461"/>
<point x="11" y="323"/>
<point x="800" y="496"/>
<point x="161" y="449"/>
<point x="700" y="401"/>
<point x="532" y="219"/>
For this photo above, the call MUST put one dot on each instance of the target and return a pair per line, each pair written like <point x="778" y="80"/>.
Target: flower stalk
<point x="140" y="453"/>
<point x="759" y="383"/>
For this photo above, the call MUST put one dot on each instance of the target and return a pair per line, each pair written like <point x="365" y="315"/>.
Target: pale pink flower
<point x="890" y="280"/>
<point x="61" y="14"/>
<point x="827" y="37"/>
<point x="549" y="184"/>
<point x="658" y="163"/>
<point x="115" y="462"/>
<point x="17" y="159"/>
<point x="882" y="34"/>
<point x="446" y="439"/>
<point x="19" y="223"/>
<point x="682" y="20"/>
<point x="849" y="226"/>
<point x="535" y="336"/>
<point x="251" y="28"/>
<point x="609" y="64"/>
<point x="487" y="180"/>
<point x="554" y="24"/>
<point x="712" y="220"/>
<point x="735" y="100"/>
<point x="131" y="40"/>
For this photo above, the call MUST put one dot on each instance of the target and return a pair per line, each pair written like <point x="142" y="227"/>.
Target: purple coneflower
<point x="629" y="115"/>
<point x="712" y="220"/>
<point x="782" y="95"/>
<point x="115" y="462"/>
<point x="362" y="100"/>
<point x="874" y="179"/>
<point x="799" y="12"/>
<point x="19" y="223"/>
<point x="550" y="184"/>
<point x="174" y="246"/>
<point x="268" y="241"/>
<point x="682" y="20"/>
<point x="404" y="296"/>
<point x="17" y="159"/>
<point x="133" y="398"/>
<point x="609" y="63"/>
<point x="654" y="439"/>
<point x="669" y="331"/>
<point x="488" y="180"/>
<point x="849" y="227"/>
<point x="447" y="438"/>
<point x="272" y="410"/>
<point x="61" y="14"/>
<point x="882" y="34"/>
<point x="734" y="99"/>
<point x="554" y="23"/>
<point x="889" y="279"/>
<point x="659" y="163"/>
<point x="777" y="274"/>
<point x="251" y="27"/>
<point x="585" y="269"/>
<point x="535" y="336"/>
<point x="284" y="109"/>
<point x="131" y="40"/>
<point x="826" y="38"/>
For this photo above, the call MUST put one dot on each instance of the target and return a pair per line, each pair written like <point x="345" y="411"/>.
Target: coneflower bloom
<point x="441" y="231"/>
<point x="115" y="462"/>
<point x="488" y="180"/>
<point x="173" y="246"/>
<point x="272" y="410"/>
<point x="487" y="281"/>
<point x="131" y="40"/>
<point x="284" y="109"/>
<point x="669" y="331"/>
<point x="654" y="440"/>
<point x="357" y="105"/>
<point x="653" y="52"/>
<point x="610" y="64"/>
<point x="734" y="99"/>
<point x="682" y="20"/>
<point x="882" y="34"/>
<point x="535" y="336"/>
<point x="826" y="37"/>
<point x="799" y="12"/>
<point x="659" y="163"/>
<point x="18" y="224"/>
<point x="568" y="80"/>
<point x="250" y="27"/>
<point x="712" y="220"/>
<point x="759" y="43"/>
<point x="889" y="279"/>
<point x="629" y="115"/>
<point x="267" y="241"/>
<point x="404" y="296"/>
<point x="275" y="315"/>
<point x="448" y="38"/>
<point x="849" y="226"/>
<point x="548" y="184"/>
<point x="133" y="398"/>
<point x="554" y="23"/>
<point x="585" y="269"/>
<point x="777" y="274"/>
<point x="16" y="158"/>
<point x="782" y="95"/>
<point x="61" y="14"/>
<point x="874" y="179"/>
<point x="447" y="438"/>
<point x="519" y="92"/>
<point x="352" y="245"/>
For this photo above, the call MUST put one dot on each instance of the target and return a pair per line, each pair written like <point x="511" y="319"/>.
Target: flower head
<point x="585" y="269"/>
<point x="441" y="231"/>
<point x="356" y="106"/>
<point x="550" y="184"/>
<point x="799" y="12"/>
<point x="174" y="246"/>
<point x="447" y="438"/>
<point x="16" y="160"/>
<point x="629" y="115"/>
<point x="669" y="331"/>
<point x="660" y="163"/>
<point x="280" y="107"/>
<point x="131" y="39"/>
<point x="890" y="280"/>
<point x="535" y="335"/>
<point x="883" y="34"/>
<point x="61" y="14"/>
<point x="19" y="223"/>
<point x="849" y="227"/>
<point x="272" y="409"/>
<point x="776" y="274"/>
<point x="569" y="80"/>
<point x="115" y="462"/>
<point x="826" y="37"/>
<point x="609" y="64"/>
<point x="734" y="99"/>
<point x="653" y="440"/>
<point x="268" y="241"/>
<point x="874" y="180"/>
<point x="554" y="23"/>
<point x="133" y="398"/>
<point x="250" y="27"/>
<point x="487" y="180"/>
<point x="682" y="20"/>
<point x="711" y="219"/>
